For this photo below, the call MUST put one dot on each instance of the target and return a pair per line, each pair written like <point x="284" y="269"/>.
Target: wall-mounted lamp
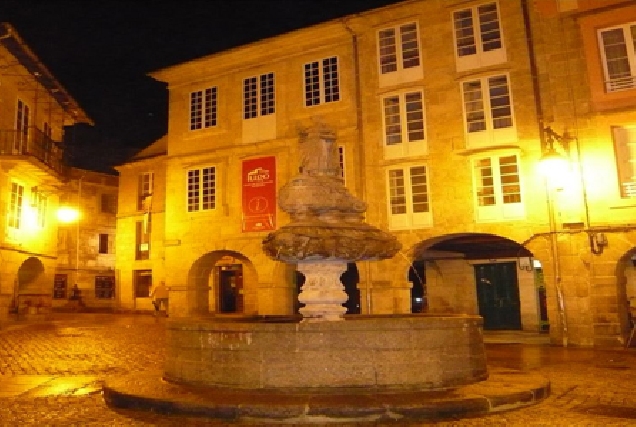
<point x="555" y="153"/>
<point x="598" y="242"/>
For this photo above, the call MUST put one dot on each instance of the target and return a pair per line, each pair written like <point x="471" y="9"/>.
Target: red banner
<point x="259" y="194"/>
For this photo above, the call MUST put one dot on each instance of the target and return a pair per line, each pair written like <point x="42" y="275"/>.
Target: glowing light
<point x="67" y="215"/>
<point x="555" y="168"/>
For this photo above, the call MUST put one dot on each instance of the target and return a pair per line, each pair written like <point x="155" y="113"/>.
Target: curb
<point x="505" y="389"/>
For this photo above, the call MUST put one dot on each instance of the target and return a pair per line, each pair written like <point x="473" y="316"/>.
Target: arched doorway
<point x="417" y="277"/>
<point x="626" y="291"/>
<point x="485" y="274"/>
<point x="218" y="284"/>
<point x="31" y="277"/>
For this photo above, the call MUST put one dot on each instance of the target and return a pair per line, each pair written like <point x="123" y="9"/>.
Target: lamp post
<point x="68" y="215"/>
<point x="553" y="164"/>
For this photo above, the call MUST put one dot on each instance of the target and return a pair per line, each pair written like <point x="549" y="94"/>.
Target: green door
<point x="498" y="295"/>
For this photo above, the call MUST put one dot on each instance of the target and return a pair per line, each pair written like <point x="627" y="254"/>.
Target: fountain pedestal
<point x="322" y="293"/>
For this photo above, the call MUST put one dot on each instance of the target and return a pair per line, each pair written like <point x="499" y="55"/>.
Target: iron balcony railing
<point x="34" y="143"/>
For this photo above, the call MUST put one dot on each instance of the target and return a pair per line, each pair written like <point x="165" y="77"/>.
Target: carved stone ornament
<point x="327" y="226"/>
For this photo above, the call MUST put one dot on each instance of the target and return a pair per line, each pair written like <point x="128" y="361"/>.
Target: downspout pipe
<point x="538" y="104"/>
<point x="360" y="140"/>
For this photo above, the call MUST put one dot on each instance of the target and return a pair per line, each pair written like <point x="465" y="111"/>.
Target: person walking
<point x="159" y="297"/>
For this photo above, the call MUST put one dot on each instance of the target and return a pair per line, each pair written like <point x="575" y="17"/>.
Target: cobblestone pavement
<point x="589" y="387"/>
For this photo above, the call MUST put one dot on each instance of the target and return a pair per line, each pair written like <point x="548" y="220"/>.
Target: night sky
<point x="101" y="52"/>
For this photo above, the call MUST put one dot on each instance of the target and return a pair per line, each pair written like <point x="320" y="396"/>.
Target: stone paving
<point x="50" y="375"/>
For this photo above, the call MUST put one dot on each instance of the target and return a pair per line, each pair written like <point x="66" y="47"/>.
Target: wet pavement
<point x="51" y="375"/>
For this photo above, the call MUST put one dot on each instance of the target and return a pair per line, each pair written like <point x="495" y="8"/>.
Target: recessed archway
<point x="480" y="273"/>
<point x="222" y="282"/>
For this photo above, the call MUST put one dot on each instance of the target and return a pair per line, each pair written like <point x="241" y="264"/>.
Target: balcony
<point x="42" y="154"/>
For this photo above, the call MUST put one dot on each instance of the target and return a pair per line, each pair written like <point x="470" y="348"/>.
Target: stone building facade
<point x="35" y="111"/>
<point x="442" y="111"/>
<point x="86" y="245"/>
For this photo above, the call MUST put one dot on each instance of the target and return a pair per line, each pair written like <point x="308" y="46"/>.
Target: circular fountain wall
<point x="382" y="352"/>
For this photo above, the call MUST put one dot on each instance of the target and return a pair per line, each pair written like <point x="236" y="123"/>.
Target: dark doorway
<point x="231" y="288"/>
<point x="299" y="279"/>
<point x="417" y="276"/>
<point x="350" y="280"/>
<point x="498" y="295"/>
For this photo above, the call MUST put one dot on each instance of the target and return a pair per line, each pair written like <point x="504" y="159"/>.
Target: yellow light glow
<point x="555" y="168"/>
<point x="67" y="215"/>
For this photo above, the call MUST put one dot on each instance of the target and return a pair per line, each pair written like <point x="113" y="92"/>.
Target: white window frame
<point x="22" y="125"/>
<point x="481" y="104"/>
<point x="342" y="162"/>
<point x="321" y="81"/>
<point x="201" y="189"/>
<point x="16" y="201"/>
<point x="203" y="108"/>
<point x="481" y="25"/>
<point x="39" y="201"/>
<point x="145" y="188"/>
<point x="404" y="124"/>
<point x="259" y="96"/>
<point x="627" y="78"/>
<point x="393" y="44"/>
<point x="625" y="151"/>
<point x="408" y="197"/>
<point x="498" y="187"/>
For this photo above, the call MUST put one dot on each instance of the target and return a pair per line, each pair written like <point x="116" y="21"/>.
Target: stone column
<point x="322" y="293"/>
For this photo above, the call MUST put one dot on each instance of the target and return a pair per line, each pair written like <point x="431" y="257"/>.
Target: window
<point x="143" y="283"/>
<point x="404" y="124"/>
<point x="104" y="247"/>
<point x="478" y="39"/>
<point x="22" y="127"/>
<point x="104" y="287"/>
<point x="145" y="189"/>
<point x="409" y="203"/>
<point x="488" y="110"/>
<point x="60" y="285"/>
<point x="498" y="188"/>
<point x="202" y="189"/>
<point x="15" y="205"/>
<point x="341" y="162"/>
<point x="625" y="148"/>
<point x="203" y="108"/>
<point x="321" y="82"/>
<point x="142" y="240"/>
<point x="108" y="203"/>
<point x="47" y="130"/>
<point x="399" y="48"/>
<point x="258" y="96"/>
<point x="39" y="201"/>
<point x="618" y="49"/>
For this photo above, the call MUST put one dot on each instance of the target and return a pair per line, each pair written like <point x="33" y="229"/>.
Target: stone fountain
<point x="326" y="351"/>
<point x="326" y="230"/>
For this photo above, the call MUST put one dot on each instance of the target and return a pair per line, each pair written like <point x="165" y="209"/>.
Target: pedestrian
<point x="75" y="293"/>
<point x="159" y="297"/>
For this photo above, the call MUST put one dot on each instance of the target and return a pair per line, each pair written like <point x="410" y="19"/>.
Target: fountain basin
<point x="379" y="352"/>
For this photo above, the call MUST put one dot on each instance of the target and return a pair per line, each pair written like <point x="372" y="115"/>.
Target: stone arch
<point x="203" y="282"/>
<point x="31" y="277"/>
<point x="625" y="274"/>
<point x="452" y="265"/>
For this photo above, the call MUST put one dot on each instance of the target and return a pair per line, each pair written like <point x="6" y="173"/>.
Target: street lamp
<point x="554" y="166"/>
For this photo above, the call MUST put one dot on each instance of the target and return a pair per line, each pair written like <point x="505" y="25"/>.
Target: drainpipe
<point x="360" y="140"/>
<point x="77" y="225"/>
<point x="541" y="123"/>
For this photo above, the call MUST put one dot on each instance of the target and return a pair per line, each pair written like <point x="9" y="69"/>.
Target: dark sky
<point x="101" y="51"/>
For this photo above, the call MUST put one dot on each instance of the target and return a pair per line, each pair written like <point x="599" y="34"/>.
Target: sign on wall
<point x="259" y="194"/>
